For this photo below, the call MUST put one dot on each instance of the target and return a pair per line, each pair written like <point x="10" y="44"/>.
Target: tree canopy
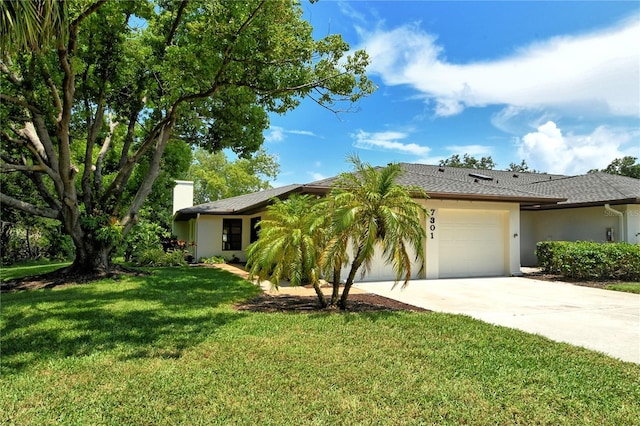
<point x="94" y="90"/>
<point x="625" y="166"/>
<point x="485" y="163"/>
<point x="216" y="177"/>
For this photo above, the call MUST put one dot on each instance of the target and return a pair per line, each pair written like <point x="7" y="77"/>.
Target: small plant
<point x="158" y="257"/>
<point x="213" y="260"/>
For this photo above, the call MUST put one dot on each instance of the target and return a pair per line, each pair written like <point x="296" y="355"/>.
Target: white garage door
<point x="471" y="243"/>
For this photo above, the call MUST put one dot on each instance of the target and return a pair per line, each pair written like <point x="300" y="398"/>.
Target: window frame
<point x="231" y="240"/>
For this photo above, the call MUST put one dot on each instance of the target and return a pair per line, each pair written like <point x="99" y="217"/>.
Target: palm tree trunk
<point x="336" y="286"/>
<point x="342" y="304"/>
<point x="321" y="298"/>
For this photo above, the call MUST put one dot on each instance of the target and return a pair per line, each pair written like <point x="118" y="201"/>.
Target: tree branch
<point x="28" y="207"/>
<point x="225" y="61"/>
<point x="145" y="188"/>
<point x="19" y="102"/>
<point x="176" y="22"/>
<point x="10" y="167"/>
<point x="97" y="176"/>
<point x="88" y="11"/>
<point x="13" y="78"/>
<point x="44" y="70"/>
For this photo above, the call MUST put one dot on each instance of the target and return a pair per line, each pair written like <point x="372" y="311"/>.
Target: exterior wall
<point x="577" y="224"/>
<point x="182" y="195"/>
<point x="511" y="212"/>
<point x="380" y="270"/>
<point x="209" y="237"/>
<point x="632" y="223"/>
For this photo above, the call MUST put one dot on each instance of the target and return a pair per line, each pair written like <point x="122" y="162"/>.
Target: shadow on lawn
<point x="137" y="317"/>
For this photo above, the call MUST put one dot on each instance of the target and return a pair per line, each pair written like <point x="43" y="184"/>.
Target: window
<point x="255" y="229"/>
<point x="231" y="234"/>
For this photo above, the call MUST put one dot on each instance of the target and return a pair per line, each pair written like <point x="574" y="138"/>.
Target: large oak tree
<point x="94" y="90"/>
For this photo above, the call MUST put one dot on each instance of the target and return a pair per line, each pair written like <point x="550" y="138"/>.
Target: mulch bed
<point x="356" y="303"/>
<point x="554" y="277"/>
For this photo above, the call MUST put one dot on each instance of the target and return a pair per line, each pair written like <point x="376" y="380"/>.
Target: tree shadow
<point x="159" y="315"/>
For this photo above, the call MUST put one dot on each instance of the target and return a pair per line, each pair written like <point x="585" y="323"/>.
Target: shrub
<point x="212" y="260"/>
<point x="143" y="237"/>
<point x="586" y="260"/>
<point x="158" y="257"/>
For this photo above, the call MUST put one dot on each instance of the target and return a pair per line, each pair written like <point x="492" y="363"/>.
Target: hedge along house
<point x="482" y="222"/>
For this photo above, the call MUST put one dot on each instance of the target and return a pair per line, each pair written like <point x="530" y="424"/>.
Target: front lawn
<point x="26" y="269"/>
<point x="170" y="349"/>
<point x="626" y="287"/>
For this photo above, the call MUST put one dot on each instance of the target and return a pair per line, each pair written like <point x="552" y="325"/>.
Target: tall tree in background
<point x="485" y="163"/>
<point x="523" y="167"/>
<point x="216" y="177"/>
<point x="625" y="166"/>
<point x="93" y="91"/>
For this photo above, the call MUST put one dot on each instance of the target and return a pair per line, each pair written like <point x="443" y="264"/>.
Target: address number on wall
<point x="432" y="223"/>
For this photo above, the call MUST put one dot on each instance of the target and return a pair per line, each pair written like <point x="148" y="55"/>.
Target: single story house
<point x="482" y="222"/>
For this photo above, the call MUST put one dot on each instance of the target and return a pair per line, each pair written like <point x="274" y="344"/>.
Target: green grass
<point x="170" y="349"/>
<point x="26" y="269"/>
<point x="626" y="287"/>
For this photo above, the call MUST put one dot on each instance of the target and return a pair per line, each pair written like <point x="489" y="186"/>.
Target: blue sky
<point x="554" y="83"/>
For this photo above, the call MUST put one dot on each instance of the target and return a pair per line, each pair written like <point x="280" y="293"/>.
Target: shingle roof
<point x="529" y="189"/>
<point x="450" y="182"/>
<point x="238" y="204"/>
<point x="592" y="188"/>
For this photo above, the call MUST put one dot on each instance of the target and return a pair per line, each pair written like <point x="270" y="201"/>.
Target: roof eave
<point x="542" y="206"/>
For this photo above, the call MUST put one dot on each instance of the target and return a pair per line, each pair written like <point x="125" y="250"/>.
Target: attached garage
<point x="472" y="243"/>
<point x="472" y="239"/>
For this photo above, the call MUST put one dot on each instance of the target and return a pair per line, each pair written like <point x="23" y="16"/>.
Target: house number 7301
<point x="432" y="222"/>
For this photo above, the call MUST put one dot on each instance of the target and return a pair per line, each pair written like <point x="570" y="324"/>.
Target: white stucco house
<point x="482" y="223"/>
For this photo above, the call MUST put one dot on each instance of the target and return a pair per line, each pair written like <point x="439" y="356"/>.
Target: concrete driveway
<point x="602" y="320"/>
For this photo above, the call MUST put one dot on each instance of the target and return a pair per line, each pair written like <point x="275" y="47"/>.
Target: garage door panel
<point x="471" y="243"/>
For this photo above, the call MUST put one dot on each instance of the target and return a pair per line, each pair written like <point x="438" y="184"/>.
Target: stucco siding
<point x="209" y="237"/>
<point x="577" y="224"/>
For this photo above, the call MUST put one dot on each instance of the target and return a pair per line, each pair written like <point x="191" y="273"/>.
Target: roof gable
<point x="239" y="204"/>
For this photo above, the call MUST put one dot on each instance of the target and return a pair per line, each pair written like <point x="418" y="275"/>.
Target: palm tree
<point x="290" y="244"/>
<point x="372" y="212"/>
<point x="32" y="24"/>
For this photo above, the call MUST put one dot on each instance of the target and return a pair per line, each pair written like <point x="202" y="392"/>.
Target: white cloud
<point x="302" y="132"/>
<point x="549" y="150"/>
<point x="387" y="141"/>
<point x="317" y="176"/>
<point x="595" y="71"/>
<point x="278" y="134"/>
